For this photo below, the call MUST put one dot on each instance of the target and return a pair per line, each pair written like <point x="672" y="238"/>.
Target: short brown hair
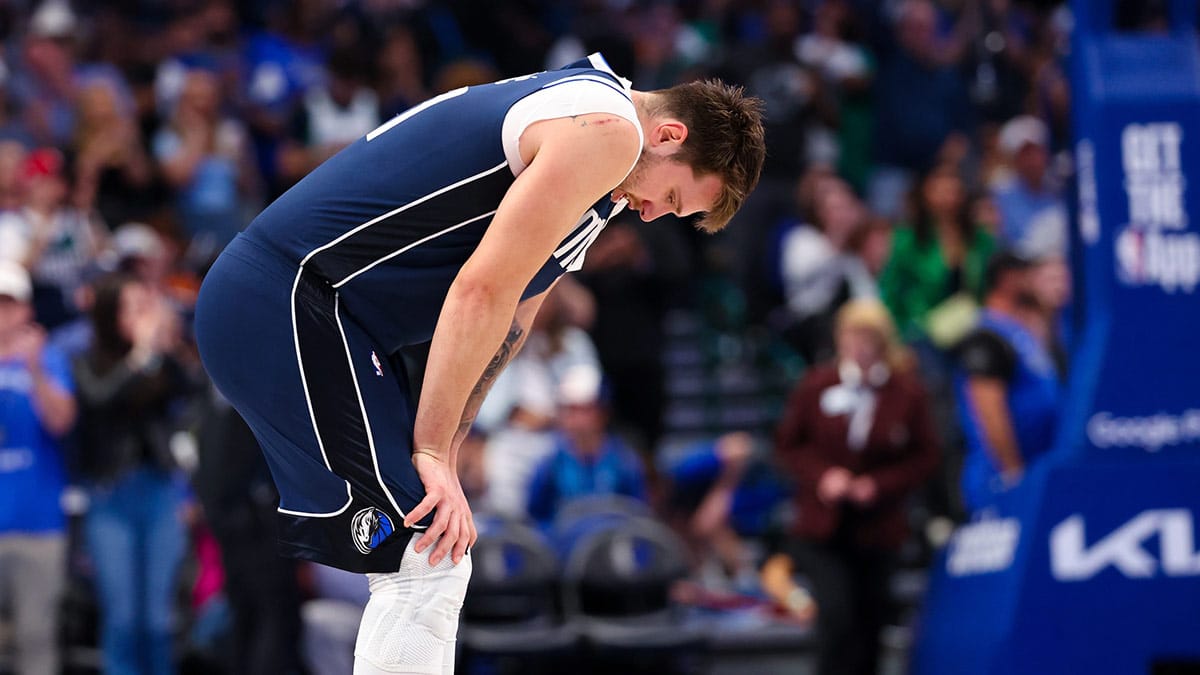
<point x="725" y="138"/>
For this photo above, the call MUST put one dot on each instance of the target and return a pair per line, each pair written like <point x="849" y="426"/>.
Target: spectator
<point x="873" y="245"/>
<point x="939" y="257"/>
<point x="281" y="63"/>
<point x="820" y="271"/>
<point x="143" y="253"/>
<point x="665" y="46"/>
<point x="128" y="382"/>
<point x="634" y="270"/>
<point x="557" y="342"/>
<point x="998" y="69"/>
<point x="858" y="438"/>
<point x="330" y="118"/>
<point x="234" y="486"/>
<point x="1033" y="213"/>
<point x="36" y="410"/>
<point x="12" y="195"/>
<point x="1050" y="280"/>
<point x="136" y="250"/>
<point x="719" y="496"/>
<point x="1008" y="389"/>
<point x="401" y="71"/>
<point x="45" y="85"/>
<point x="54" y="241"/>
<point x="112" y="170"/>
<point x="205" y="158"/>
<point x="847" y="68"/>
<point x="794" y="103"/>
<point x="919" y="92"/>
<point x="587" y="460"/>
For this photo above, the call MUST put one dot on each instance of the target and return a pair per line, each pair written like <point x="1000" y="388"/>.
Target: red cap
<point x="42" y="162"/>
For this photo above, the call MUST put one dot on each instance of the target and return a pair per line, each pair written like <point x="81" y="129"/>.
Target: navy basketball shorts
<point x="332" y="412"/>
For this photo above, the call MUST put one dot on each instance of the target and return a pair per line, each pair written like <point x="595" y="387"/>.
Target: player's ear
<point x="669" y="132"/>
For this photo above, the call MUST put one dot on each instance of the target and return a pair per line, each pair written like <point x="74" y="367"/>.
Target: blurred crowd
<point x="903" y="261"/>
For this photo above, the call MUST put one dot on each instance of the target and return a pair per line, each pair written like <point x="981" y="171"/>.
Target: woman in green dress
<point x="935" y="273"/>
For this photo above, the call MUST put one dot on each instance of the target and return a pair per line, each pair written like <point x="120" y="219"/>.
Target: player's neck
<point x="645" y="104"/>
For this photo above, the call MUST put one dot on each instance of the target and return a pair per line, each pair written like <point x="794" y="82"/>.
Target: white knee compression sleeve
<point x="411" y="621"/>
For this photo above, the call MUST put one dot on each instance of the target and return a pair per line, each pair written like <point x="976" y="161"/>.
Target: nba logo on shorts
<point x="369" y="528"/>
<point x="378" y="366"/>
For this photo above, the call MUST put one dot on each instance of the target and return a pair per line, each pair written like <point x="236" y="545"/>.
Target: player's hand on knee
<point x="452" y="521"/>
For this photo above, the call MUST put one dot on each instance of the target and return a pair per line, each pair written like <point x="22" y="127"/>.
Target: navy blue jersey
<point x="390" y="220"/>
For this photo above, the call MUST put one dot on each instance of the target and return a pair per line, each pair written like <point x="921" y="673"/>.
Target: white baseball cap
<point x="1021" y="131"/>
<point x="580" y="385"/>
<point x="137" y="240"/>
<point x="14" y="281"/>
<point x="53" y="19"/>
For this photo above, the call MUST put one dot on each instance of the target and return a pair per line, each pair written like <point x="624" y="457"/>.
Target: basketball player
<point x="359" y="321"/>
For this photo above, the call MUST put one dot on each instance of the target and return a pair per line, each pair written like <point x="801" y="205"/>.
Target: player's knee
<point x="411" y="621"/>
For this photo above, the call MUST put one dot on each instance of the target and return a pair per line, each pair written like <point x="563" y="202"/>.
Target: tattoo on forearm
<point x="465" y="425"/>
<point x="500" y="360"/>
<point x="512" y="343"/>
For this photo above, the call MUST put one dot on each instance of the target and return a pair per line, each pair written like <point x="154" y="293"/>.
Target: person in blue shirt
<point x="1007" y="386"/>
<point x="720" y="494"/>
<point x="1033" y="213"/>
<point x="36" y="410"/>
<point x="587" y="460"/>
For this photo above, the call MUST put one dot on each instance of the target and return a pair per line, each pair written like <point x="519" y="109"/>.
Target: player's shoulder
<point x="596" y="140"/>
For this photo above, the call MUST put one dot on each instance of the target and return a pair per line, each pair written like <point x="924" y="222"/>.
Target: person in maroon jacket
<point x="858" y="439"/>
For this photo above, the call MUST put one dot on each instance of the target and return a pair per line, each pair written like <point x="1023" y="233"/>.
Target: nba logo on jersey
<point x="378" y="366"/>
<point x="369" y="528"/>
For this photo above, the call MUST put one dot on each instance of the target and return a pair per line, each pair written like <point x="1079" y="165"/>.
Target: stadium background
<point x="137" y="137"/>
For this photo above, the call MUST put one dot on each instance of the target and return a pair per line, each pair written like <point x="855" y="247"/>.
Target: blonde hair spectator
<point x="871" y="315"/>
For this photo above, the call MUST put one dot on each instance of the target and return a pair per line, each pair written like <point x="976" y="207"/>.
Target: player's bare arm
<point x="522" y="321"/>
<point x="519" y="330"/>
<point x="570" y="166"/>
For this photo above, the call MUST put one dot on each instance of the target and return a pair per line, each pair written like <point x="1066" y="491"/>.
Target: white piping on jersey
<point x="570" y="255"/>
<point x="398" y="251"/>
<point x="593" y="221"/>
<point x="331" y="514"/>
<point x="363" y="409"/>
<point x="598" y="62"/>
<point x="413" y="111"/>
<point x="585" y="77"/>
<point x="401" y="209"/>
<point x="311" y="416"/>
<point x="574" y="262"/>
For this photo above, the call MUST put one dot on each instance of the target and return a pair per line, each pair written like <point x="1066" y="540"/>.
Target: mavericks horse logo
<point x="369" y="528"/>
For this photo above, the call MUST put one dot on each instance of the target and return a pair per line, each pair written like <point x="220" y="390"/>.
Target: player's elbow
<point x="479" y="290"/>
